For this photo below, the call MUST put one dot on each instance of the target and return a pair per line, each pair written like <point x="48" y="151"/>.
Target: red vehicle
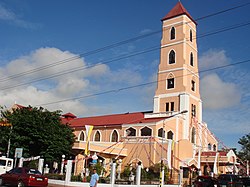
<point x="23" y="177"/>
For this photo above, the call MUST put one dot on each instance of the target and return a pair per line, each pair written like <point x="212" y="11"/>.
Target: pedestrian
<point x="94" y="179"/>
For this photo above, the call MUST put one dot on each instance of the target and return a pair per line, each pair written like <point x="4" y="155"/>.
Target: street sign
<point x="18" y="152"/>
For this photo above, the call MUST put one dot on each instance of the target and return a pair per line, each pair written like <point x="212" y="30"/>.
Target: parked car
<point x="205" y="181"/>
<point x="229" y="180"/>
<point x="21" y="177"/>
<point x="245" y="181"/>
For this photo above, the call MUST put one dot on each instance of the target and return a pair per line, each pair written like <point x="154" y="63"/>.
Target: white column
<point x="162" y="176"/>
<point x="138" y="175"/>
<point x="200" y="111"/>
<point x="156" y="104"/>
<point x="112" y="174"/>
<point x="68" y="171"/>
<point x="20" y="164"/>
<point x="62" y="164"/>
<point x="40" y="164"/>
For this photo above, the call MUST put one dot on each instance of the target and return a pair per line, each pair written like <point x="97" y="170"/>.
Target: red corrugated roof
<point x="177" y="11"/>
<point x="69" y="115"/>
<point x="109" y="120"/>
<point x="20" y="106"/>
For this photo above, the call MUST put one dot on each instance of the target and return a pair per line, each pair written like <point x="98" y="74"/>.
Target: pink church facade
<point x="173" y="132"/>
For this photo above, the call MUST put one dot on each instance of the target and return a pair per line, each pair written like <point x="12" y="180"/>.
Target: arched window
<point x="171" y="57"/>
<point x="172" y="33"/>
<point x="131" y="132"/>
<point x="81" y="136"/>
<point x="191" y="36"/>
<point x="209" y="146"/>
<point x="170" y="135"/>
<point x="161" y="133"/>
<point x="145" y="131"/>
<point x="97" y="136"/>
<point x="191" y="59"/>
<point x="214" y="147"/>
<point x="114" y="137"/>
<point x="193" y="133"/>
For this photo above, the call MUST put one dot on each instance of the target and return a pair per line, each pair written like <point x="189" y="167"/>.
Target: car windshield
<point x="32" y="171"/>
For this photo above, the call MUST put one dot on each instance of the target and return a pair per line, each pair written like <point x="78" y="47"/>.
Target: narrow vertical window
<point x="191" y="59"/>
<point x="193" y="109"/>
<point x="171" y="57"/>
<point x="172" y="33"/>
<point x="191" y="36"/>
<point x="170" y="83"/>
<point x="167" y="107"/>
<point x="214" y="147"/>
<point x="193" y="85"/>
<point x="209" y="146"/>
<point x="172" y="106"/>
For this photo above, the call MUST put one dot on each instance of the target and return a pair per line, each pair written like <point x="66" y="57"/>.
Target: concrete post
<point x="119" y="169"/>
<point x="62" y="165"/>
<point x="181" y="175"/>
<point x="40" y="164"/>
<point x="20" y="164"/>
<point x="112" y="174"/>
<point x="162" y="176"/>
<point x="68" y="171"/>
<point x="138" y="174"/>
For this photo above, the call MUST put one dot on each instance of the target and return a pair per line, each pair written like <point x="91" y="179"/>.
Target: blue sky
<point x="39" y="33"/>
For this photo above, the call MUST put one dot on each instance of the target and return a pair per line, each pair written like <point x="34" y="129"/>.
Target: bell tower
<point x="178" y="76"/>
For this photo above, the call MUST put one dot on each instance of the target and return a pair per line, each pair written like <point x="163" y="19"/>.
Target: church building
<point x="173" y="133"/>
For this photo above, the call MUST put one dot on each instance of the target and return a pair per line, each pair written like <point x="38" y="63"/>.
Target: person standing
<point x="94" y="179"/>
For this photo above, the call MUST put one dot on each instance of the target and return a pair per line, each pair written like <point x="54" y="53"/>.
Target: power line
<point x="138" y="85"/>
<point x="108" y="47"/>
<point x="224" y="29"/>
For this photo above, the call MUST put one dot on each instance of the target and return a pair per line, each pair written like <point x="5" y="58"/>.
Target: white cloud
<point x="145" y="31"/>
<point x="50" y="90"/>
<point x="11" y="17"/>
<point x="217" y="94"/>
<point x="6" y="14"/>
<point x="32" y="96"/>
<point x="213" y="58"/>
<point x="78" y="83"/>
<point x="71" y="87"/>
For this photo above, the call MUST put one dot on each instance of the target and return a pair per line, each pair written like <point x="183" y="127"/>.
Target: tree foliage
<point x="38" y="131"/>
<point x="244" y="153"/>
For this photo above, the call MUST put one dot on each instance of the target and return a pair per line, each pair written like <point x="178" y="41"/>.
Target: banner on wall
<point x="89" y="129"/>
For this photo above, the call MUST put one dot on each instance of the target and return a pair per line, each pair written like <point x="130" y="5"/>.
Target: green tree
<point x="244" y="153"/>
<point x="38" y="131"/>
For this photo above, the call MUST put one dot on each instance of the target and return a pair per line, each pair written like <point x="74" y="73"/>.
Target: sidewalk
<point x="60" y="183"/>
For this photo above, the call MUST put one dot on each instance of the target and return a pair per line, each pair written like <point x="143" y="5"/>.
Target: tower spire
<point x="178" y="10"/>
